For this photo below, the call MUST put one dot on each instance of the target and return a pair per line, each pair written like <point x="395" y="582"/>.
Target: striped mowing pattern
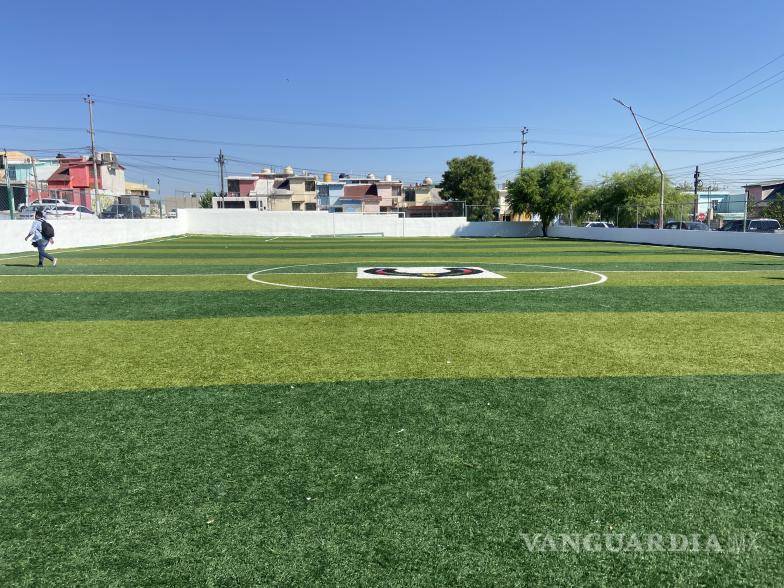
<point x="165" y="420"/>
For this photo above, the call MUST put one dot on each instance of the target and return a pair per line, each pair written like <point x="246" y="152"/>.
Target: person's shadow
<point x="19" y="265"/>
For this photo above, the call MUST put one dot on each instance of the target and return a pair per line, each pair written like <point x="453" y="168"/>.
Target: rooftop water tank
<point x="327" y="177"/>
<point x="428" y="182"/>
<point x="387" y="178"/>
<point x="288" y="170"/>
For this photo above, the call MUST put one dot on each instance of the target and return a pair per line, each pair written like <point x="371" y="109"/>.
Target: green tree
<point x="773" y="208"/>
<point x="633" y="195"/>
<point x="472" y="180"/>
<point x="205" y="200"/>
<point x="776" y="210"/>
<point x="548" y="190"/>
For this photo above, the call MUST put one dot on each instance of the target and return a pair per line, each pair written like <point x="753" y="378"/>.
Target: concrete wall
<point x="308" y="224"/>
<point x="87" y="233"/>
<point x="762" y="242"/>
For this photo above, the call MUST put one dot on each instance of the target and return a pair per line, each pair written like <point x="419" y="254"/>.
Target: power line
<point x="632" y="137"/>
<point x="710" y="131"/>
<point x="272" y="120"/>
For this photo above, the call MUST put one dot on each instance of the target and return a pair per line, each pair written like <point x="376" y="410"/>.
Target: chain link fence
<point x="715" y="214"/>
<point x="22" y="202"/>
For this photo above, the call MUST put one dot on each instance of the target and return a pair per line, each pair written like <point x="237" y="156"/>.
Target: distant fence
<point x="761" y="242"/>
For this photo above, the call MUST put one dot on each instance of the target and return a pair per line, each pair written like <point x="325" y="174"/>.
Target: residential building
<point x="354" y="194"/>
<point x="171" y="203"/>
<point x="269" y="190"/>
<point x="74" y="179"/>
<point x="27" y="175"/>
<point x="762" y="191"/>
<point x="423" y="194"/>
<point x="329" y="192"/>
<point x="137" y="189"/>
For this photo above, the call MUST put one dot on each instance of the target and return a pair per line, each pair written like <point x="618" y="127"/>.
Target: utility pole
<point x="696" y="188"/>
<point x="8" y="187"/>
<point x="160" y="198"/>
<point x="523" y="143"/>
<point x="221" y="162"/>
<point x="35" y="179"/>
<point x="96" y="205"/>
<point x="656" y="161"/>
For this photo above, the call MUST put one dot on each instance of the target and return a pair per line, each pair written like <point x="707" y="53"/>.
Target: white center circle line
<point x="601" y="279"/>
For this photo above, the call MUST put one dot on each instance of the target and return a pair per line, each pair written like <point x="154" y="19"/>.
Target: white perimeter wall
<point x="763" y="242"/>
<point x="311" y="224"/>
<point x="87" y="233"/>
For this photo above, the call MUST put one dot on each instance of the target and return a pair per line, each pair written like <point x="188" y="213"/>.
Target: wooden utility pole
<point x="96" y="205"/>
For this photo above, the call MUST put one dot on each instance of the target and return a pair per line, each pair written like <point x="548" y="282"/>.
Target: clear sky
<point x="360" y="76"/>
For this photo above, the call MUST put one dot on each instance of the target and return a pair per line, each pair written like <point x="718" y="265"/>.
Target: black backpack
<point x="47" y="230"/>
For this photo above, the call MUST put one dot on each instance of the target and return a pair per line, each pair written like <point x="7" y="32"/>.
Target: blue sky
<point x="380" y="74"/>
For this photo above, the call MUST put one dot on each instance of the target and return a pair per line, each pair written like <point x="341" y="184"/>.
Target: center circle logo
<point x="447" y="272"/>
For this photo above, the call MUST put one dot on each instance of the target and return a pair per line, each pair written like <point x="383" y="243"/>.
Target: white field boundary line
<point x="44" y="274"/>
<point x="691" y="271"/>
<point x="685" y="247"/>
<point x="94" y="247"/>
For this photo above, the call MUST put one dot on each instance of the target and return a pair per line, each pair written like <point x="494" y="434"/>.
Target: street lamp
<point x="661" y="173"/>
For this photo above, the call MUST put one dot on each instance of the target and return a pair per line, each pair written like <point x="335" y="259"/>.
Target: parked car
<point x="647" y="225"/>
<point x="122" y="211"/>
<point x="687" y="226"/>
<point x="754" y="225"/>
<point x="598" y="225"/>
<point x="72" y="211"/>
<point x="28" y="212"/>
<point x="44" y="202"/>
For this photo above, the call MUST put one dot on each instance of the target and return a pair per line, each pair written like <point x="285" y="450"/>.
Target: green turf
<point x="395" y="482"/>
<point x="166" y="421"/>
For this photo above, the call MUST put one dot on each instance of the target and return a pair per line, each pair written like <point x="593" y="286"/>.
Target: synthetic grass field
<point x="164" y="419"/>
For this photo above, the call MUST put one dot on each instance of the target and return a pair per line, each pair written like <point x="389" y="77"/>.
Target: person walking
<point x="42" y="234"/>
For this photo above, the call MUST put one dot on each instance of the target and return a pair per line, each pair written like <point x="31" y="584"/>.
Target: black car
<point x="687" y="226"/>
<point x="754" y="225"/>
<point x="122" y="211"/>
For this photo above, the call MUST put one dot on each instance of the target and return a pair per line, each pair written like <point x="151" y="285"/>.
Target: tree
<point x="775" y="210"/>
<point x="472" y="180"/>
<point x="629" y="196"/>
<point x="771" y="207"/>
<point x="205" y="200"/>
<point x="548" y="190"/>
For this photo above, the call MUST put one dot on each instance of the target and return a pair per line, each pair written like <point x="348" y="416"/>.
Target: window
<point x="310" y="185"/>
